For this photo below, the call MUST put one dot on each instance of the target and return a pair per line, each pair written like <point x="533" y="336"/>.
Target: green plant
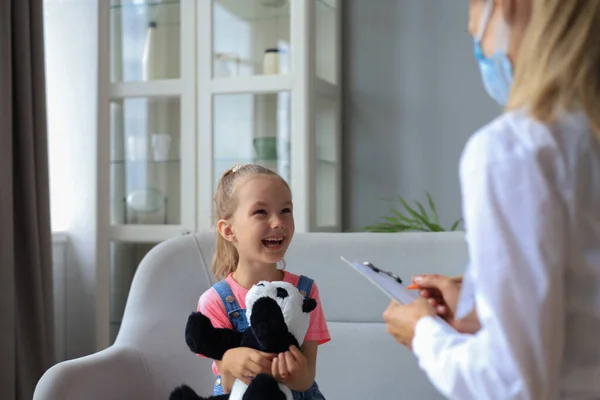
<point x="414" y="219"/>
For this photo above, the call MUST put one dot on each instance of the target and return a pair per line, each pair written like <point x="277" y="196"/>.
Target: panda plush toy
<point x="278" y="317"/>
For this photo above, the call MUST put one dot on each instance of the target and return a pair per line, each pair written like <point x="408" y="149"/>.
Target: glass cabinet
<point x="189" y="88"/>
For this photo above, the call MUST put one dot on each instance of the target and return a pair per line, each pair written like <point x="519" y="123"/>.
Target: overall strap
<point x="236" y="315"/>
<point x="226" y="295"/>
<point x="305" y="285"/>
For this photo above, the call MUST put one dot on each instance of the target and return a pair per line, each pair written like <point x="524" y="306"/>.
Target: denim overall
<point x="238" y="319"/>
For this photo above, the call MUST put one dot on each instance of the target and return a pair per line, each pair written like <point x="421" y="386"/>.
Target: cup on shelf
<point x="272" y="3"/>
<point x="161" y="143"/>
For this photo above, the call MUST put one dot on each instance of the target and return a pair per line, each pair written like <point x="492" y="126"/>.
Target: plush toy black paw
<point x="278" y="316"/>
<point x="185" y="392"/>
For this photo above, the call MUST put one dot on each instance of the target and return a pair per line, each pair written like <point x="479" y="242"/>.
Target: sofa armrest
<point x="117" y="372"/>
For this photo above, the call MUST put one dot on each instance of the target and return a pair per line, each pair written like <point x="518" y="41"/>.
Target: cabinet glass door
<point x="326" y="161"/>
<point x="124" y="261"/>
<point x="145" y="161"/>
<point x="251" y="128"/>
<point x="326" y="55"/>
<point x="145" y="40"/>
<point x="326" y="109"/>
<point x="151" y="98"/>
<point x="251" y="37"/>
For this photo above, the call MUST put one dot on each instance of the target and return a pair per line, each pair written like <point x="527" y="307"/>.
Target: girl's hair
<point x="558" y="65"/>
<point x="226" y="257"/>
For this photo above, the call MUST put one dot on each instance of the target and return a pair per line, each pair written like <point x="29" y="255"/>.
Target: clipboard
<point x="390" y="284"/>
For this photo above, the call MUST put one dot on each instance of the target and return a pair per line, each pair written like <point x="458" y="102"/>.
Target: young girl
<point x="255" y="225"/>
<point x="530" y="184"/>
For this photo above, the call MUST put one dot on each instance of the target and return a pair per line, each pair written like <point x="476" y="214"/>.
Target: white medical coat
<point x="531" y="207"/>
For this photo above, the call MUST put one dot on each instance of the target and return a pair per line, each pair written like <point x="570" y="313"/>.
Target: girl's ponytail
<point x="225" y="258"/>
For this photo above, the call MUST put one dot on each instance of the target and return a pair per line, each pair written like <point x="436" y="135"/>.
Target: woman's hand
<point x="443" y="293"/>
<point x="244" y="363"/>
<point x="402" y="319"/>
<point x="468" y="324"/>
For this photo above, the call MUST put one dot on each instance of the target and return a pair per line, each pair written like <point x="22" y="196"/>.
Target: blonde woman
<point x="530" y="183"/>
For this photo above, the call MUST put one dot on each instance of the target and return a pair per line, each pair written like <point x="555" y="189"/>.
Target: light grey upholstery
<point x="362" y="361"/>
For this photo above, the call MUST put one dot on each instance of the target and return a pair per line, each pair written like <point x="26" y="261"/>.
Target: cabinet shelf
<point x="149" y="162"/>
<point x="253" y="10"/>
<point x="326" y="162"/>
<point x="330" y="4"/>
<point x="156" y="88"/>
<point x="252" y="84"/>
<point x="119" y="6"/>
<point x="145" y="233"/>
<point x="327" y="89"/>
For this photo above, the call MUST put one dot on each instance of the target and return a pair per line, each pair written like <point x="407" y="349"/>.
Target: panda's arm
<point x="203" y="338"/>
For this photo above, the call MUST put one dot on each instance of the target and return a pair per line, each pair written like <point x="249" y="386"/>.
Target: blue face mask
<point x="496" y="70"/>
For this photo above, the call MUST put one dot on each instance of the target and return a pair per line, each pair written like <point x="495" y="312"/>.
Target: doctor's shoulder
<point x="510" y="136"/>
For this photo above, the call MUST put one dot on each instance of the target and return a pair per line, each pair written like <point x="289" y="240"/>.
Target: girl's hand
<point x="245" y="363"/>
<point x="290" y="367"/>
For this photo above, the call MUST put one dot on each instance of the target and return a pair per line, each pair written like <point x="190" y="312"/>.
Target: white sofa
<point x="362" y="361"/>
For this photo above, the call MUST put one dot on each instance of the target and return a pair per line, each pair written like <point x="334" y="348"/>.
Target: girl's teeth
<point x="272" y="242"/>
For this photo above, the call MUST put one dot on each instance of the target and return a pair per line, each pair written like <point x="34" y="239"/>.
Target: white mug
<point x="161" y="142"/>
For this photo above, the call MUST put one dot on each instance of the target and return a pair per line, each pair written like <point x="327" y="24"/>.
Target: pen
<point x="456" y="279"/>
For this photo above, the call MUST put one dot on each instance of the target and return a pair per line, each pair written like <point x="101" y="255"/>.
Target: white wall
<point x="59" y="267"/>
<point x="412" y="97"/>
<point x="71" y="57"/>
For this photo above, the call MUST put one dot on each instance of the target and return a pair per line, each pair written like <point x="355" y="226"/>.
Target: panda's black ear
<point x="309" y="305"/>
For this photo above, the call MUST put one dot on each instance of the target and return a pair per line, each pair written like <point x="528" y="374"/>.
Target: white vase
<point x="154" y="59"/>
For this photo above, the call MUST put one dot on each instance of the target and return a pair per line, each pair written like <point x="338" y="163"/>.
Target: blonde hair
<point x="558" y="65"/>
<point x="225" y="258"/>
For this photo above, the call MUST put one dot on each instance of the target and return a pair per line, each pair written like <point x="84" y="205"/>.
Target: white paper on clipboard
<point x="388" y="285"/>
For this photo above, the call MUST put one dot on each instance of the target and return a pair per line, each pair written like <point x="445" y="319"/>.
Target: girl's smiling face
<point x="262" y="224"/>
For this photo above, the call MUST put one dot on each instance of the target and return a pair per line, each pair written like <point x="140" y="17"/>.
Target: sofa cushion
<point x="364" y="362"/>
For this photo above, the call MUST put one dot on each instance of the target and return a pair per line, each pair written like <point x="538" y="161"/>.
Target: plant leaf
<point x="418" y="219"/>
<point x="392" y="220"/>
<point x="432" y="207"/>
<point x="423" y="212"/>
<point x="455" y="225"/>
<point x="385" y="227"/>
<point x="401" y="216"/>
<point x="409" y="209"/>
<point x="423" y="221"/>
